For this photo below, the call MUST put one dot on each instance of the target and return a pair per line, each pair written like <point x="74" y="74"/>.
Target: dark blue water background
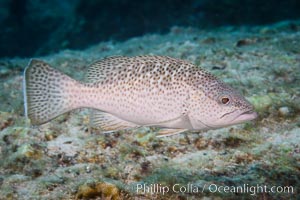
<point x="34" y="27"/>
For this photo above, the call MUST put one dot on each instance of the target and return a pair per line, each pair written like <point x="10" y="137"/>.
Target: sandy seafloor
<point x="64" y="159"/>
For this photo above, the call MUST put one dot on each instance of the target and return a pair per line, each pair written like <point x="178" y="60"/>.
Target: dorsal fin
<point x="100" y="69"/>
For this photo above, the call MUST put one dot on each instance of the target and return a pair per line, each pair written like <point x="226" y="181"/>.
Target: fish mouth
<point x="245" y="116"/>
<point x="239" y="117"/>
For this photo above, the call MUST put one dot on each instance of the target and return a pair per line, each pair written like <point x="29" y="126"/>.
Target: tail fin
<point x="46" y="92"/>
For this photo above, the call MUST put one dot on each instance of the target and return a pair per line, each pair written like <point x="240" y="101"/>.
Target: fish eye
<point x="225" y="100"/>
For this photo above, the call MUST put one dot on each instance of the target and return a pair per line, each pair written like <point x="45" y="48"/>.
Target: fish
<point x="131" y="92"/>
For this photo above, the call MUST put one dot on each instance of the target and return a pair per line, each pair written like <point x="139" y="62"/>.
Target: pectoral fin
<point x="168" y="132"/>
<point x="180" y="122"/>
<point x="109" y="123"/>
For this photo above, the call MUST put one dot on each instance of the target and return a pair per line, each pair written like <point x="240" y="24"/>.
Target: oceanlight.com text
<point x="190" y="188"/>
<point x="252" y="190"/>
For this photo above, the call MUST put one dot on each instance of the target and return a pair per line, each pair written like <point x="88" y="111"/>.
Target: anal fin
<point x="168" y="132"/>
<point x="109" y="123"/>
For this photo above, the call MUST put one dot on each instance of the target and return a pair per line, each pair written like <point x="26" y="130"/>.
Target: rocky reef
<point x="66" y="159"/>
